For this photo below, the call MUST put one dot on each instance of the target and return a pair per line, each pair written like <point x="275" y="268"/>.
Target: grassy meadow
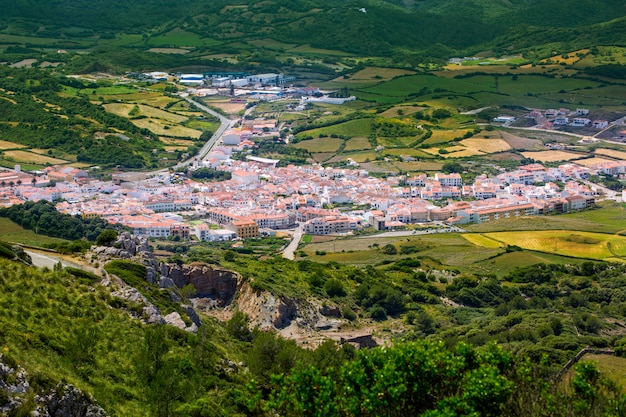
<point x="14" y="233"/>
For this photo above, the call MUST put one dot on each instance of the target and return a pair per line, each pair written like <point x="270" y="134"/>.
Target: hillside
<point x="434" y="29"/>
<point x="68" y="328"/>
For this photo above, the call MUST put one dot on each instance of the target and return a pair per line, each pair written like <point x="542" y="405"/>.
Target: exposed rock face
<point x="264" y="309"/>
<point x="218" y="284"/>
<point x="67" y="401"/>
<point x="63" y="401"/>
<point x="128" y="246"/>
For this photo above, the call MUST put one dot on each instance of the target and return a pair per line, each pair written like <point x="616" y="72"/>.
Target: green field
<point x="14" y="233"/>
<point x="320" y="145"/>
<point x="357" y="127"/>
<point x="608" y="218"/>
<point x="180" y="37"/>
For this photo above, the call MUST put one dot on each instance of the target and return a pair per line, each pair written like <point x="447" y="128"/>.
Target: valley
<point x="312" y="208"/>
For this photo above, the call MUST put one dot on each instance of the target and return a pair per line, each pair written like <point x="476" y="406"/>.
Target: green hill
<point x="371" y="28"/>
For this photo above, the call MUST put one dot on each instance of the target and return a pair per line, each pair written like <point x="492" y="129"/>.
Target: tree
<point x="390" y="249"/>
<point x="107" y="237"/>
<point x="452" y="167"/>
<point x="237" y="327"/>
<point x="334" y="288"/>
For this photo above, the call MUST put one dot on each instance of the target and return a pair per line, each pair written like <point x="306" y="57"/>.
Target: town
<point x="261" y="197"/>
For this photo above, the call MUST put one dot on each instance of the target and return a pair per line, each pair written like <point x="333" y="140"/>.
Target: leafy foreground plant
<point x="426" y="379"/>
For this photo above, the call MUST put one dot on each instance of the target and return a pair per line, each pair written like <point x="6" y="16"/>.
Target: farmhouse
<point x="580" y="122"/>
<point x="600" y="124"/>
<point x="504" y="119"/>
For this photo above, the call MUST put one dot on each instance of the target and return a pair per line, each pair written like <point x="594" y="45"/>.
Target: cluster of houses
<point x="552" y="118"/>
<point x="262" y="198"/>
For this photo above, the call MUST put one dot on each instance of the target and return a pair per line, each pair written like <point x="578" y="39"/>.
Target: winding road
<point x="206" y="148"/>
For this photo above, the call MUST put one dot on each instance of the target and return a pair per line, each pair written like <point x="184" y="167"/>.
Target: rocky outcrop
<point x="128" y="246"/>
<point x="62" y="401"/>
<point x="209" y="282"/>
<point x="264" y="309"/>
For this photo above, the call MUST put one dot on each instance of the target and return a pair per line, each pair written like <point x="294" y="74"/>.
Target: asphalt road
<point x="206" y="148"/>
<point x="290" y="250"/>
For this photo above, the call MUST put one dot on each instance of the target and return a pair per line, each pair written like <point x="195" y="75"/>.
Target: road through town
<point x="206" y="148"/>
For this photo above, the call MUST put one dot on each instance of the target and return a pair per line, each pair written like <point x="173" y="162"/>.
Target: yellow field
<point x="589" y="162"/>
<point x="486" y="145"/>
<point x="482" y="240"/>
<point x="551" y="156"/>
<point x="33" y="158"/>
<point x="9" y="145"/>
<point x="158" y="127"/>
<point x="566" y="242"/>
<point x="175" y="148"/>
<point x="612" y="153"/>
<point x="176" y="142"/>
<point x="463" y="153"/>
<point x="571" y="58"/>
<point x="229" y="107"/>
<point x="123" y="109"/>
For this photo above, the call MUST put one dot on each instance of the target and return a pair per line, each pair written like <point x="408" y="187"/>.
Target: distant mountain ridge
<point x="369" y="27"/>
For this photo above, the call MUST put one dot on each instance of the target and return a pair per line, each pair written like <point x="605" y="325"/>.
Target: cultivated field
<point x="10" y="145"/>
<point x="609" y="218"/>
<point x="518" y="142"/>
<point x="590" y="162"/>
<point x="444" y="136"/>
<point x="482" y="240"/>
<point x="357" y="144"/>
<point x="485" y="145"/>
<point x="33" y="158"/>
<point x="357" y="127"/>
<point x="404" y="110"/>
<point x="552" y="156"/>
<point x="566" y="242"/>
<point x="320" y="145"/>
<point x="161" y="128"/>
<point x="611" y="152"/>
<point x="124" y="110"/>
